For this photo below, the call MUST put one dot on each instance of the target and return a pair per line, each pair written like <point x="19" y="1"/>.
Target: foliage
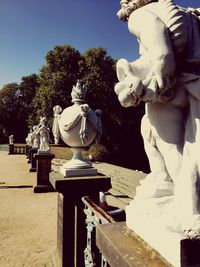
<point x="16" y="106"/>
<point x="37" y="95"/>
<point x="27" y="90"/>
<point x="8" y="106"/>
<point x="56" y="79"/>
<point x="99" y="152"/>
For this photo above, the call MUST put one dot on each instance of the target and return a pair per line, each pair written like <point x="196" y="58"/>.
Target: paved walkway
<point x="27" y="220"/>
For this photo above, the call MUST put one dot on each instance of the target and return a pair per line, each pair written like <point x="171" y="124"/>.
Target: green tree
<point x="56" y="79"/>
<point x="8" y="105"/>
<point x="96" y="70"/>
<point x="26" y="93"/>
<point x="37" y="95"/>
<point x="16" y="107"/>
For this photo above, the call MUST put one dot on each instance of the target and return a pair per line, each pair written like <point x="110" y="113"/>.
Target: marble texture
<point x="79" y="126"/>
<point x="166" y="77"/>
<point x="43" y="132"/>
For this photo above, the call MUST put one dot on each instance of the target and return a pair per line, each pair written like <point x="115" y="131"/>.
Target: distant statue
<point x="11" y="139"/>
<point x="43" y="132"/>
<point x="167" y="78"/>
<point x="55" y="129"/>
<point x="29" y="138"/>
<point x="36" y="136"/>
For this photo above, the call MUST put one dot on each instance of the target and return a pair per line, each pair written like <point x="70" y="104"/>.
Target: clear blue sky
<point x="30" y="28"/>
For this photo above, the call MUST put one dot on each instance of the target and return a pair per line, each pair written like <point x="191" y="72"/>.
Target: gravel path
<point x="27" y="220"/>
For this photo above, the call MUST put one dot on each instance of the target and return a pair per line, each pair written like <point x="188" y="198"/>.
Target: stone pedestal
<point x="175" y="247"/>
<point x="121" y="247"/>
<point x="71" y="228"/>
<point x="78" y="172"/>
<point x="29" y="154"/>
<point x="43" y="165"/>
<point x="77" y="166"/>
<point x="27" y="147"/>
<point x="11" y="149"/>
<point x="33" y="151"/>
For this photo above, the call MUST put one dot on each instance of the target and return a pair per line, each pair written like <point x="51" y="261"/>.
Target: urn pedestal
<point x="77" y="166"/>
<point x="71" y="229"/>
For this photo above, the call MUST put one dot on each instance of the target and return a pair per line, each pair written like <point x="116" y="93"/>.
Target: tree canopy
<point x="36" y="96"/>
<point x="16" y="107"/>
<point x="56" y="79"/>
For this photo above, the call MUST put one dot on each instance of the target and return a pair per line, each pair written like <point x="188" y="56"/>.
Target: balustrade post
<point x="26" y="150"/>
<point x="33" y="152"/>
<point x="43" y="167"/>
<point x="29" y="154"/>
<point x="11" y="149"/>
<point x="71" y="228"/>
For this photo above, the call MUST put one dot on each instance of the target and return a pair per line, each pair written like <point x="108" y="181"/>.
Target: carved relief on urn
<point x="79" y="127"/>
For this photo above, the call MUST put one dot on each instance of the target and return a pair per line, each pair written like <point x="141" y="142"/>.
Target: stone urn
<point x="79" y="127"/>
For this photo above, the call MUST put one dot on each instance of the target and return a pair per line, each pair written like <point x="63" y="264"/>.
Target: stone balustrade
<point x="93" y="234"/>
<point x="14" y="149"/>
<point x="4" y="148"/>
<point x="123" y="183"/>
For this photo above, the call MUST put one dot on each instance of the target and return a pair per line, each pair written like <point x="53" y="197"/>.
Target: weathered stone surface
<point x="122" y="248"/>
<point x="80" y="186"/>
<point x="175" y="247"/>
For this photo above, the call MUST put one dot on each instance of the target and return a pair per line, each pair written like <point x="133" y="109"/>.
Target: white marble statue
<point x="55" y="129"/>
<point x="11" y="139"/>
<point x="29" y="138"/>
<point x="36" y="136"/>
<point x="43" y="132"/>
<point x="167" y="77"/>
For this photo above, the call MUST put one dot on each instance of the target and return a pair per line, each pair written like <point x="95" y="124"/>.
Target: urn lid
<point x="78" y="93"/>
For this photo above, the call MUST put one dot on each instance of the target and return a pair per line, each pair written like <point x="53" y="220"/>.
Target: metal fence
<point x="94" y="215"/>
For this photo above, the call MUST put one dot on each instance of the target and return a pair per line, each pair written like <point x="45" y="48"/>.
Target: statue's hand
<point x="129" y="91"/>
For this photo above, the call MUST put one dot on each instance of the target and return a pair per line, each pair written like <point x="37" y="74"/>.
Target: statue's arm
<point x="158" y="56"/>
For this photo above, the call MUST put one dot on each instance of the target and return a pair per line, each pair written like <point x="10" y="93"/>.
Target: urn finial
<point x="78" y="93"/>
